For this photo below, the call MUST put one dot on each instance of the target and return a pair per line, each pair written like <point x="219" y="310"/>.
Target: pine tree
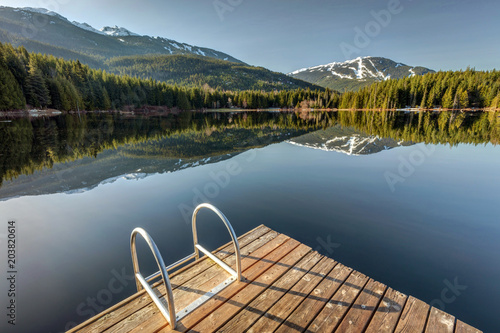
<point x="495" y="104"/>
<point x="37" y="91"/>
<point x="11" y="96"/>
<point x="182" y="100"/>
<point x="464" y="99"/>
<point x="448" y="99"/>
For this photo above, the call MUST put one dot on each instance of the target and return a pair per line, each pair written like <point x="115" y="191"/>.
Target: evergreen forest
<point x="44" y="81"/>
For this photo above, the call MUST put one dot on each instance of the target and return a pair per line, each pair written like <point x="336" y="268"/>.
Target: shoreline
<point x="152" y="111"/>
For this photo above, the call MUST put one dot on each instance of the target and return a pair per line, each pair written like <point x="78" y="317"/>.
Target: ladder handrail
<point x="142" y="283"/>
<point x="197" y="246"/>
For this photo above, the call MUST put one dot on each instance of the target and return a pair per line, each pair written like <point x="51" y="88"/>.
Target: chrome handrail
<point x="142" y="283"/>
<point x="198" y="247"/>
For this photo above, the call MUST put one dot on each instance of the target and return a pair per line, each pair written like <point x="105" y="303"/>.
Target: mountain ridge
<point x="357" y="73"/>
<point x="147" y="57"/>
<point x="48" y="27"/>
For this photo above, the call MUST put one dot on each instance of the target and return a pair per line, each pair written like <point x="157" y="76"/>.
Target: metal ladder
<point x="166" y="304"/>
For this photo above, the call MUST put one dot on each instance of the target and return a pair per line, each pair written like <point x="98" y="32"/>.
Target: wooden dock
<point x="288" y="287"/>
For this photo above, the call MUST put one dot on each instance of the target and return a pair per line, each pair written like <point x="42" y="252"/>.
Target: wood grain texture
<point x="414" y="316"/>
<point x="280" y="311"/>
<point x="217" y="318"/>
<point x="388" y="312"/>
<point x="258" y="307"/>
<point x="358" y="317"/>
<point x="336" y="308"/>
<point x="305" y="313"/>
<point x="440" y="322"/>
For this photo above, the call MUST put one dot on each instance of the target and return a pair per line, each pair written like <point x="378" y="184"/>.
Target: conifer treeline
<point x="449" y="90"/>
<point x="48" y="82"/>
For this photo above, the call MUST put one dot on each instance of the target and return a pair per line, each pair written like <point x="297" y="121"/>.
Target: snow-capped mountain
<point x="35" y="10"/>
<point x="347" y="141"/>
<point x="357" y="72"/>
<point x="87" y="27"/>
<point x="106" y="31"/>
<point x="117" y="31"/>
<point x="80" y="40"/>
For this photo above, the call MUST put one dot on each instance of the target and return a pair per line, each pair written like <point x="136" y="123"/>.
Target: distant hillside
<point x="197" y="71"/>
<point x="118" y="50"/>
<point x="358" y="73"/>
<point x="44" y="26"/>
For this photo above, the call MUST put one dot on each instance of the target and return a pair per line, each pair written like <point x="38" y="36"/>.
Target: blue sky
<point x="285" y="35"/>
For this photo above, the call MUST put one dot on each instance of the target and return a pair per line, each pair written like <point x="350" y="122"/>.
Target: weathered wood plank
<point x="440" y="322"/>
<point x="287" y="304"/>
<point x="333" y="312"/>
<point x="271" y="272"/>
<point x="267" y="260"/>
<point x="358" y="317"/>
<point x="305" y="313"/>
<point x="137" y="301"/>
<point x="258" y="307"/>
<point x="200" y="284"/>
<point x="388" y="312"/>
<point x="414" y="316"/>
<point x="461" y="327"/>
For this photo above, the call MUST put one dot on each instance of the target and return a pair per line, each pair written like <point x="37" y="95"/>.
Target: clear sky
<point x="285" y="35"/>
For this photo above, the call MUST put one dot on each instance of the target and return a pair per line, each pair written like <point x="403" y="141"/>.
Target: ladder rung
<point x="170" y="267"/>
<point x="217" y="260"/>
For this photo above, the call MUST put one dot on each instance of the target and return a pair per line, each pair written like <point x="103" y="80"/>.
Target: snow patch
<point x="40" y="11"/>
<point x="87" y="27"/>
<point x="117" y="32"/>
<point x="341" y="75"/>
<point x="353" y="145"/>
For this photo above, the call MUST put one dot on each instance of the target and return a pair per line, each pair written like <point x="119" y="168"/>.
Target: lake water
<point x="409" y="199"/>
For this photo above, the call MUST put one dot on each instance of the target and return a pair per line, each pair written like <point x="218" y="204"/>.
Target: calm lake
<point x="409" y="199"/>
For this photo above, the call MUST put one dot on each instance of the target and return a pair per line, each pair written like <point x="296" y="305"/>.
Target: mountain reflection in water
<point x="71" y="152"/>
